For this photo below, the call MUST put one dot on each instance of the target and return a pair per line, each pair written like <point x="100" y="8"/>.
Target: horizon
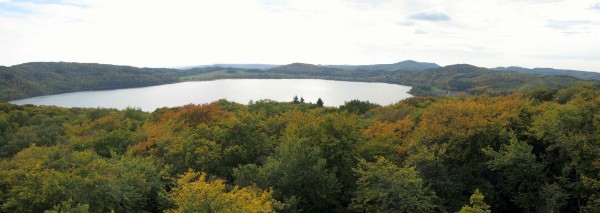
<point x="555" y="34"/>
<point x="216" y="65"/>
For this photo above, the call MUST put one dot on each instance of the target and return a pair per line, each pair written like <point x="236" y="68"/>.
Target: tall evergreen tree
<point x="320" y="102"/>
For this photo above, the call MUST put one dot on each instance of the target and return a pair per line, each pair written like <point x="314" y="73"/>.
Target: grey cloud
<point x="595" y="6"/>
<point x="565" y="24"/>
<point x="430" y="16"/>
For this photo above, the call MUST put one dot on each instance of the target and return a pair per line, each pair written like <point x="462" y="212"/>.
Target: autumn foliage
<point x="526" y="152"/>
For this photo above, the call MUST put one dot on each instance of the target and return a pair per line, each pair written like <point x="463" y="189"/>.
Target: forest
<point x="535" y="151"/>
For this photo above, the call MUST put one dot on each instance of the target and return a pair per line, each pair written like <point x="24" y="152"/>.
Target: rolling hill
<point x="550" y="71"/>
<point x="476" y="80"/>
<point x="306" y="69"/>
<point x="45" y="78"/>
<point x="403" y="65"/>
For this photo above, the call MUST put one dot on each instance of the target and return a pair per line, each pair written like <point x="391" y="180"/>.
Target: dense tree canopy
<point x="531" y="152"/>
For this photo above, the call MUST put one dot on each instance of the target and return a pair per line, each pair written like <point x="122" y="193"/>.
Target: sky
<point x="561" y="34"/>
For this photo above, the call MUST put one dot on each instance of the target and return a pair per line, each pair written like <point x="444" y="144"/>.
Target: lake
<point x="333" y="93"/>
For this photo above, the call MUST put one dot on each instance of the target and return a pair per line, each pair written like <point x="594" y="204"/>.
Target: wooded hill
<point x="461" y="78"/>
<point x="525" y="152"/>
<point x="476" y="80"/>
<point x="43" y="78"/>
<point x="550" y="71"/>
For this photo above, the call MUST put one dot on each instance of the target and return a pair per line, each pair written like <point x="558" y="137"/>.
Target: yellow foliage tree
<point x="196" y="193"/>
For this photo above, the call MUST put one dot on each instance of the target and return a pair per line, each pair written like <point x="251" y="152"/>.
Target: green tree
<point x="320" y="103"/>
<point x="477" y="204"/>
<point x="336" y="135"/>
<point x="298" y="175"/>
<point x="522" y="176"/>
<point x="385" y="187"/>
<point x="569" y="136"/>
<point x="357" y="106"/>
<point x="244" y="142"/>
<point x="115" y="141"/>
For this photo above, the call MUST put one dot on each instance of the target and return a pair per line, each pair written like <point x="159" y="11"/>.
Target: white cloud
<point x="565" y="24"/>
<point x="186" y="32"/>
<point x="430" y="16"/>
<point x="537" y="1"/>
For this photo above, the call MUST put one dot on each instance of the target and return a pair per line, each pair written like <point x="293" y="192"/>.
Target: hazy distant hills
<point x="248" y="66"/>
<point x="355" y="71"/>
<point x="407" y="65"/>
<point x="551" y="71"/>
<point x="410" y="65"/>
<point x="306" y="69"/>
<point x="236" y="66"/>
<point x="404" y="65"/>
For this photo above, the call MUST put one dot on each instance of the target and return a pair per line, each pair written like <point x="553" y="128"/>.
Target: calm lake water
<point x="333" y="93"/>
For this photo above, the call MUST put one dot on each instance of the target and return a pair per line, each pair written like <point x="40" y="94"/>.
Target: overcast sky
<point x="148" y="33"/>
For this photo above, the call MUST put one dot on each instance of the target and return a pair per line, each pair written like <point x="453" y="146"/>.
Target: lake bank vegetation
<point x="534" y="151"/>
